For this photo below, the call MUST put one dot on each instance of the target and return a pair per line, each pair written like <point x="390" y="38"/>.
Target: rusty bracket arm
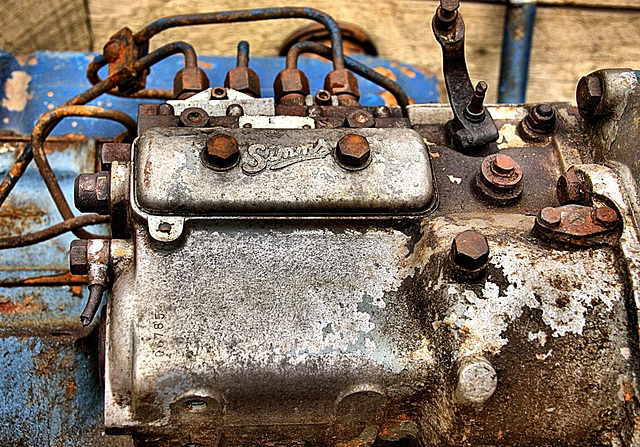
<point x="472" y="125"/>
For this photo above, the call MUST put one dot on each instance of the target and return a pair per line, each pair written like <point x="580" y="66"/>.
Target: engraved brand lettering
<point x="261" y="157"/>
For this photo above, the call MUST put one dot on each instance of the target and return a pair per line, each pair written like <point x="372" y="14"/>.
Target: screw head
<point x="477" y="381"/>
<point x="360" y="118"/>
<point x="78" y="259"/>
<point x="382" y="112"/>
<point x="606" y="216"/>
<point x="222" y="151"/>
<point x="165" y="109"/>
<point x="194" y="117"/>
<point x="470" y="250"/>
<point x="550" y="216"/>
<point x="589" y="94"/>
<point x="235" y="110"/>
<point x="353" y="151"/>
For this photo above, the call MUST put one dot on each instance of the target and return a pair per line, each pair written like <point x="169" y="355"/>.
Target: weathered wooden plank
<point x="26" y="26"/>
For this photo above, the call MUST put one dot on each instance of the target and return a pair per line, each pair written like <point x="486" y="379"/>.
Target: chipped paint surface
<point x="16" y="91"/>
<point x="533" y="277"/>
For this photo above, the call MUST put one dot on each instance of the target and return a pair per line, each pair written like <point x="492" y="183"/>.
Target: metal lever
<point x="472" y="125"/>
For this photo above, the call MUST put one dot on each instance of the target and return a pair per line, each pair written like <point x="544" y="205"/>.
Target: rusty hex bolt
<point x="343" y="84"/>
<point x="222" y="151"/>
<point x="589" y="95"/>
<point x="570" y="188"/>
<point x="470" y="251"/>
<point x="78" y="259"/>
<point x="541" y="119"/>
<point x="189" y="81"/>
<point x="605" y="216"/>
<point x="550" y="216"/>
<point x="499" y="179"/>
<point x="353" y="151"/>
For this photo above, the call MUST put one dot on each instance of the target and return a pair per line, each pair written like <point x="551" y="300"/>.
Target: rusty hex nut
<point x="344" y="85"/>
<point x="189" y="81"/>
<point x="353" y="151"/>
<point x="92" y="192"/>
<point x="470" y="251"/>
<point x="570" y="189"/>
<point x="550" y="216"/>
<point x="78" y="259"/>
<point x="222" y="151"/>
<point x="244" y="80"/>
<point x="605" y="216"/>
<point x="291" y="81"/>
<point x="589" y="95"/>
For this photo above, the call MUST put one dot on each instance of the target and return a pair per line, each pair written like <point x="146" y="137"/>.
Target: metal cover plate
<point x="281" y="171"/>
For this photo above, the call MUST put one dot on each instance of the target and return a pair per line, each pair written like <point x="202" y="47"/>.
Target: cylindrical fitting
<point x="290" y="87"/>
<point x="499" y="180"/>
<point x="343" y="84"/>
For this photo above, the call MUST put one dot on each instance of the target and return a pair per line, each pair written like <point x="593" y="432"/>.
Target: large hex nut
<point x="222" y="151"/>
<point x="470" y="251"/>
<point x="342" y="83"/>
<point x="78" y="259"/>
<point x="353" y="151"/>
<point x="244" y="80"/>
<point x="189" y="81"/>
<point x="92" y="192"/>
<point x="290" y="80"/>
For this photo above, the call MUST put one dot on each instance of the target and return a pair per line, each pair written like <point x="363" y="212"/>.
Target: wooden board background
<point x="572" y="37"/>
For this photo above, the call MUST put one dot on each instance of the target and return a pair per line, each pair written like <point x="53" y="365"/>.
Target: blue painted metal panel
<point x="50" y="393"/>
<point x="56" y="77"/>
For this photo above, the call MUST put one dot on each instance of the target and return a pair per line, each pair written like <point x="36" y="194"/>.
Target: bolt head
<point x="78" y="259"/>
<point x="222" y="151"/>
<point x="503" y="165"/>
<point x="235" y="110"/>
<point x="470" y="250"/>
<point x="477" y="381"/>
<point x="570" y="188"/>
<point x="194" y="117"/>
<point x="589" y="94"/>
<point x="360" y="118"/>
<point x="550" y="216"/>
<point x="606" y="216"/>
<point x="353" y="151"/>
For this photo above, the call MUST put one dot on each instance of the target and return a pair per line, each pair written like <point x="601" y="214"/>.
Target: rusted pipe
<point x="67" y="225"/>
<point x="43" y="128"/>
<point x="250" y="15"/>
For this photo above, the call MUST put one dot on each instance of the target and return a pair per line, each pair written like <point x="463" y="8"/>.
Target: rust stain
<point x="203" y="64"/>
<point x="45" y="360"/>
<point x="408" y="72"/>
<point x="386" y="72"/>
<point x="15" y="219"/>
<point x="70" y="390"/>
<point x="390" y="100"/>
<point x="29" y="305"/>
<point x="147" y="172"/>
<point x="33" y="61"/>
<point x="628" y="391"/>
<point x="61" y="279"/>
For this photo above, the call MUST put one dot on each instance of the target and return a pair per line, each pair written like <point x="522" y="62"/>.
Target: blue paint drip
<point x="516" y="52"/>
